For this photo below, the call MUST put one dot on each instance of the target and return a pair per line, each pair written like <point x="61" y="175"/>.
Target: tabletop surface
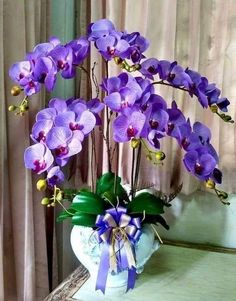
<point x="172" y="274"/>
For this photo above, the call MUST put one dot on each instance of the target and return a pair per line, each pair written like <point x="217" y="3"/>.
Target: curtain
<point x="200" y="35"/>
<point x="23" y="257"/>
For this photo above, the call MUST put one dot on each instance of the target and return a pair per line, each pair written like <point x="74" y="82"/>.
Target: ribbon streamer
<point x="117" y="233"/>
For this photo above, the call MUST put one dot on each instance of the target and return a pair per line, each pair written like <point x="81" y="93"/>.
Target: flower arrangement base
<point x="88" y="251"/>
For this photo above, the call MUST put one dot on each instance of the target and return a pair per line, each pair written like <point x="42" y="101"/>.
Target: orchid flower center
<point x="62" y="151"/>
<point x="198" y="168"/>
<point x="41" y="136"/>
<point x="42" y="77"/>
<point x="151" y="69"/>
<point x="75" y="126"/>
<point x="185" y="143"/>
<point x="21" y="75"/>
<point x="153" y="124"/>
<point x="61" y="64"/>
<point x="124" y="104"/>
<point x="171" y="126"/>
<point x="110" y="50"/>
<point x="31" y="84"/>
<point x="39" y="165"/>
<point x="131" y="131"/>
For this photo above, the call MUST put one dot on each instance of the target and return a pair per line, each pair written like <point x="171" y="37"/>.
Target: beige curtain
<point x="200" y="34"/>
<point x="23" y="258"/>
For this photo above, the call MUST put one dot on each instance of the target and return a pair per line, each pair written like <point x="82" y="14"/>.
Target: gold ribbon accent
<point x="119" y="234"/>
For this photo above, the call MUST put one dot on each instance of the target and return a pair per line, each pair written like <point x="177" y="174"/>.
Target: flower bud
<point x="118" y="60"/>
<point x="23" y="108"/>
<point x="41" y="185"/>
<point x="45" y="201"/>
<point x="15" y="90"/>
<point x="135" y="143"/>
<point x="59" y="196"/>
<point x="160" y="156"/>
<point x="12" y="108"/>
<point x="149" y="157"/>
<point x="210" y="184"/>
<point x="214" y="108"/>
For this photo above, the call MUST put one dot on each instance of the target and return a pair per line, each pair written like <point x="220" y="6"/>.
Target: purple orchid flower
<point x="45" y="72"/>
<point x="84" y="122"/>
<point x="40" y="130"/>
<point x="174" y="74"/>
<point x="38" y="158"/>
<point x="96" y="106"/>
<point x="127" y="127"/>
<point x="115" y="84"/>
<point x="21" y="72"/>
<point x="176" y="119"/>
<point x="43" y="49"/>
<point x="120" y="101"/>
<point x="64" y="142"/>
<point x="63" y="57"/>
<point x="55" y="176"/>
<point x="198" y="87"/>
<point x="138" y="44"/>
<point x="149" y="68"/>
<point x="187" y="139"/>
<point x="101" y="28"/>
<point x="80" y="49"/>
<point x="216" y="176"/>
<point x="60" y="105"/>
<point x="200" y="163"/>
<point x="156" y="125"/>
<point x="46" y="114"/>
<point x="111" y="46"/>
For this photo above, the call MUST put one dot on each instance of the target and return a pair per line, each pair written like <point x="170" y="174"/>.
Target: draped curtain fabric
<point x="23" y="257"/>
<point x="198" y="34"/>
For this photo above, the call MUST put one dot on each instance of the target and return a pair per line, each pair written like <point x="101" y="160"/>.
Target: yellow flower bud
<point x="23" y="108"/>
<point x="15" y="90"/>
<point x="149" y="157"/>
<point x="118" y="60"/>
<point x="41" y="184"/>
<point x="135" y="143"/>
<point x="210" y="184"/>
<point x="45" y="201"/>
<point x="12" y="108"/>
<point x="160" y="156"/>
<point x="59" y="196"/>
<point x="53" y="204"/>
<point x="214" y="108"/>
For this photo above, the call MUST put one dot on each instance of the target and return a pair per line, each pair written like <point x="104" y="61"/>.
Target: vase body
<point x="88" y="251"/>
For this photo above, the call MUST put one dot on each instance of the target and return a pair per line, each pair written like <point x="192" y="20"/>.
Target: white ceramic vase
<point x="88" y="251"/>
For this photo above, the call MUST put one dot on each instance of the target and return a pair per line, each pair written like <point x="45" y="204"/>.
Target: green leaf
<point x="84" y="219"/>
<point x="110" y="197"/>
<point x="147" y="202"/>
<point x="107" y="183"/>
<point x="88" y="202"/>
<point x="65" y="214"/>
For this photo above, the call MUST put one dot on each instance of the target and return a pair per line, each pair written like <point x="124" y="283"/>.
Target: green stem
<point x="132" y="174"/>
<point x="137" y="168"/>
<point x="107" y="126"/>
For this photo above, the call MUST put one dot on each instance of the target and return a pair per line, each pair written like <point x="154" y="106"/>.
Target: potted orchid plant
<point x="130" y="110"/>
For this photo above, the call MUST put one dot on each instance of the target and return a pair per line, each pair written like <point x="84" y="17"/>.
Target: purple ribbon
<point x="117" y="233"/>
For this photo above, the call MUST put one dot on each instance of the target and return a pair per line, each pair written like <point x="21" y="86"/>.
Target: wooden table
<point x="173" y="273"/>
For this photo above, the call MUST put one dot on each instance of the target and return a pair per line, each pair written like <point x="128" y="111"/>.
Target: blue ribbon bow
<point x="117" y="233"/>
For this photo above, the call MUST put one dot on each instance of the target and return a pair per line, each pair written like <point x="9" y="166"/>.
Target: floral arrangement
<point x="133" y="112"/>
